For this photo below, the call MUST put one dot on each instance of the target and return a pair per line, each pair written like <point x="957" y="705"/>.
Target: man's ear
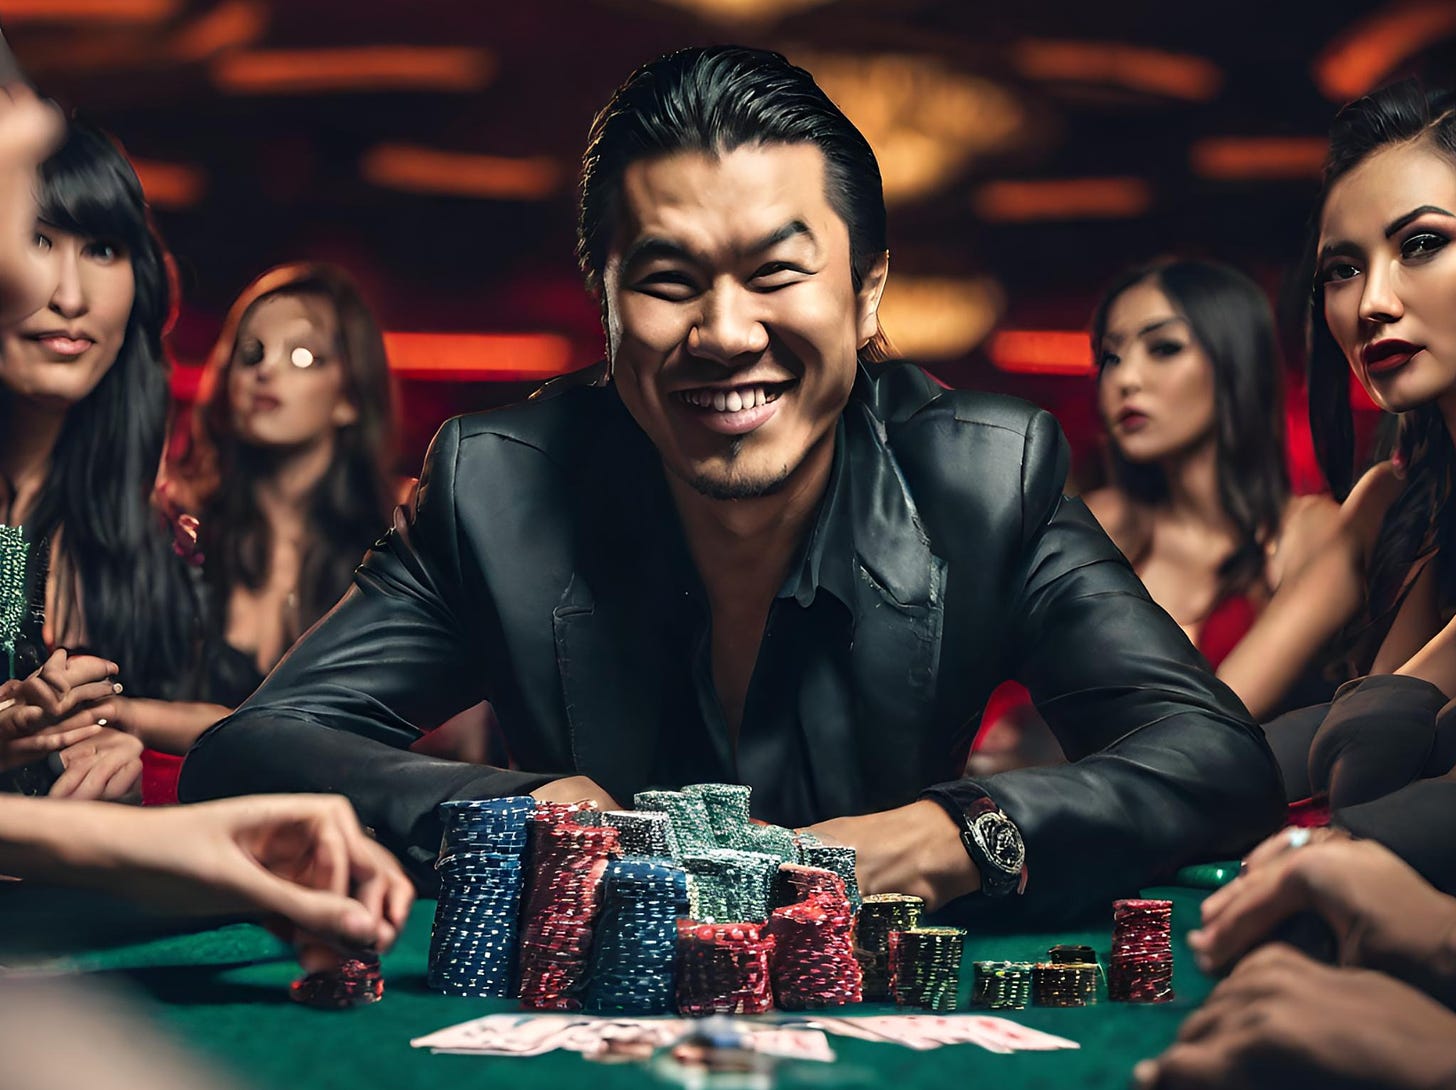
<point x="868" y="302"/>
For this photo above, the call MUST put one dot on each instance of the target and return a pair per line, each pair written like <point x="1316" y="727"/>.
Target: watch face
<point x="1000" y="840"/>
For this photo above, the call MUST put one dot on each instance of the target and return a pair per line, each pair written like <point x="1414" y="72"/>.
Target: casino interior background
<point x="1030" y="151"/>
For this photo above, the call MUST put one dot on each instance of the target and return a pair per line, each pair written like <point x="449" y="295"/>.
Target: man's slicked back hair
<point x="714" y="99"/>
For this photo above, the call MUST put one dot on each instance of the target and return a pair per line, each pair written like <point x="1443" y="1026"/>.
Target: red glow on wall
<point x="1042" y="352"/>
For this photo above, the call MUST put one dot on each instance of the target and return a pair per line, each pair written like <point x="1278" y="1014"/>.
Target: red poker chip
<point x="354" y="982"/>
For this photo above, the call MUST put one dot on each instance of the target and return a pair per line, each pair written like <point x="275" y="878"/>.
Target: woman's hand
<point x="106" y="765"/>
<point x="68" y="691"/>
<point x="66" y="702"/>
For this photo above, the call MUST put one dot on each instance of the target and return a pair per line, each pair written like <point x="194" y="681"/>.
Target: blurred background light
<point x="361" y="68"/>
<point x="430" y="170"/>
<point x="937" y="318"/>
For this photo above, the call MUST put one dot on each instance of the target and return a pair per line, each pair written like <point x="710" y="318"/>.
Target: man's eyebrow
<point x="653" y="246"/>
<point x="792" y="229"/>
<point x="1413" y="214"/>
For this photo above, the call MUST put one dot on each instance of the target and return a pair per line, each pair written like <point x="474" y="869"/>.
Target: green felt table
<point x="223" y="991"/>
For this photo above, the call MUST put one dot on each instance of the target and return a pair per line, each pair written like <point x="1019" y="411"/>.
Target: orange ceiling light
<point x="365" y="68"/>
<point x="739" y="12"/>
<point x="429" y="170"/>
<point x="478" y="357"/>
<point x="170" y="185"/>
<point x="1041" y="352"/>
<point x="1063" y="199"/>
<point x="925" y="120"/>
<point x="1259" y="158"/>
<point x="1117" y="64"/>
<point x="1371" y="48"/>
<point x="233" y="24"/>
<point x="91" y="11"/>
<point x="937" y="318"/>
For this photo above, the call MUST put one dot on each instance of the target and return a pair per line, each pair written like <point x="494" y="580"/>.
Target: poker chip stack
<point x="795" y="882"/>
<point x="723" y="968"/>
<point x="730" y="886"/>
<point x="772" y="840"/>
<point x="472" y="945"/>
<point x="634" y="954"/>
<point x="925" y="967"/>
<point x="879" y="915"/>
<point x="838" y="858"/>
<point x="1141" y="969"/>
<point x="644" y="833"/>
<point x="1064" y="984"/>
<point x="1085" y="958"/>
<point x="568" y="862"/>
<point x="813" y="964"/>
<point x="1001" y="985"/>
<point x="727" y="806"/>
<point x="689" y="815"/>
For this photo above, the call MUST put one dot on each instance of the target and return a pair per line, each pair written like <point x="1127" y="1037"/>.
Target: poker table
<point x="223" y="991"/>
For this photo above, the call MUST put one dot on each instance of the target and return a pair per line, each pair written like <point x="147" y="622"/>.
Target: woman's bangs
<point x="94" y="196"/>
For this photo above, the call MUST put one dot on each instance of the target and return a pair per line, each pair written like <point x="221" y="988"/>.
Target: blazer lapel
<point x="899" y="606"/>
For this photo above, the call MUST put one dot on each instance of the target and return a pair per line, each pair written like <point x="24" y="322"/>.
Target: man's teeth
<point x="729" y="401"/>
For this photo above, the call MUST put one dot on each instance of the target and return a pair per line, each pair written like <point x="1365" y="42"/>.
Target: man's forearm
<point x="394" y="791"/>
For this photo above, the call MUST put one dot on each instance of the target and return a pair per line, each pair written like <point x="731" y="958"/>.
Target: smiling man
<point x="745" y="548"/>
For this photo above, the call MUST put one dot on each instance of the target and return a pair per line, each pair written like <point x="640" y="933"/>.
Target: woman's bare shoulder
<point x="1364" y="509"/>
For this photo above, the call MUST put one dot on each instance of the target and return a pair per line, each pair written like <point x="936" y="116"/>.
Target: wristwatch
<point x="993" y="842"/>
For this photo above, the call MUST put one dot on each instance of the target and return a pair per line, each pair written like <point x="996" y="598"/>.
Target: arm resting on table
<point x="1167" y="767"/>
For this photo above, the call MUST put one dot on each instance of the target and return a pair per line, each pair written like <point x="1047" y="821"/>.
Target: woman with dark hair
<point x="1383" y="307"/>
<point x="88" y="561"/>
<point x="289" y="466"/>
<point x="1189" y="388"/>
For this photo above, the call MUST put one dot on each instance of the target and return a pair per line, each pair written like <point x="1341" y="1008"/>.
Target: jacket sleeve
<point x="1166" y="766"/>
<point x="336" y="713"/>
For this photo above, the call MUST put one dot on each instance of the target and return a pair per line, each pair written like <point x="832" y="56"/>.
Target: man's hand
<point x="575" y="789"/>
<point x="106" y="765"/>
<point x="1384" y="915"/>
<point x="914" y="849"/>
<point x="1282" y="1020"/>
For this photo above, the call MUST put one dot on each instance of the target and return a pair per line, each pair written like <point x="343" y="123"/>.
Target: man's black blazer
<point x="521" y="577"/>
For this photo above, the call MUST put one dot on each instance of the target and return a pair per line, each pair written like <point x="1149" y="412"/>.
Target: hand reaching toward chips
<point x="913" y="849"/>
<point x="301" y="861"/>
<point x="1283" y="1020"/>
<point x="576" y="789"/>
<point x="1384" y="915"/>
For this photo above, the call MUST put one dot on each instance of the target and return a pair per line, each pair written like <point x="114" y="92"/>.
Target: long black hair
<point x="351" y="503"/>
<point x="1232" y="322"/>
<point x="1421" y="521"/>
<point x="135" y="596"/>
<point x="714" y="99"/>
